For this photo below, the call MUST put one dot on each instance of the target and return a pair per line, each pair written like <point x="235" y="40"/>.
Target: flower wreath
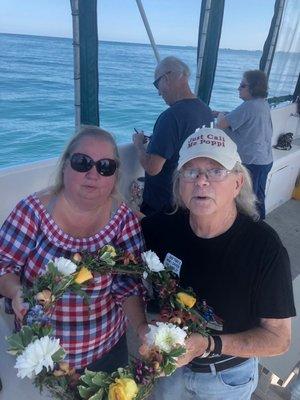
<point x="40" y="356"/>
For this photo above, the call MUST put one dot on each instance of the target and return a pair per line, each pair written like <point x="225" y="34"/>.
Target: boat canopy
<point x="281" y="54"/>
<point x="210" y="27"/>
<point x="280" y="59"/>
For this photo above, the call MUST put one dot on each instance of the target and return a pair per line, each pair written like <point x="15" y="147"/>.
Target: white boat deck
<point x="286" y="221"/>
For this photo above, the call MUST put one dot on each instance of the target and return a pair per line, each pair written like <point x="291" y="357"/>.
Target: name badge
<point x="173" y="263"/>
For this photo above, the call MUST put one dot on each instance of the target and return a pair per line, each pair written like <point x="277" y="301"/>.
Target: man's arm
<point x="152" y="163"/>
<point x="271" y="338"/>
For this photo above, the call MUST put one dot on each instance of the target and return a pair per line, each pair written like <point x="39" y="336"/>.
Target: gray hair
<point x="85" y="131"/>
<point x="173" y="64"/>
<point x="245" y="201"/>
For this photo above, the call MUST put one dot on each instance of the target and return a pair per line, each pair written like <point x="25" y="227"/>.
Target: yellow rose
<point x="109" y="249"/>
<point x="122" y="389"/>
<point x="186" y="299"/>
<point x="83" y="275"/>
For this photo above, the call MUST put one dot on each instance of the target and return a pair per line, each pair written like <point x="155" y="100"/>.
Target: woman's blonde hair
<point x="85" y="131"/>
<point x="245" y="201"/>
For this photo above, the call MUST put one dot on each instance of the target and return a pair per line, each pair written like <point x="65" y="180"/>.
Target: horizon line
<point x="118" y="41"/>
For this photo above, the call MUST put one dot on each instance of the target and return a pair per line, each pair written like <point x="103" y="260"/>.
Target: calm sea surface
<point x="37" y="97"/>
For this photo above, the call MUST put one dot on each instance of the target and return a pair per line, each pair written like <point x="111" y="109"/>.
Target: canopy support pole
<point x="147" y="26"/>
<point x="266" y="60"/>
<point x="86" y="79"/>
<point x="76" y="56"/>
<point x="210" y="26"/>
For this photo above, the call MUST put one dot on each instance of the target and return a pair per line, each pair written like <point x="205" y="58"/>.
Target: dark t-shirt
<point x="171" y="129"/>
<point x="244" y="273"/>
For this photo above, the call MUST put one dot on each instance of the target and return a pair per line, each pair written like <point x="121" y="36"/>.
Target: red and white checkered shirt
<point x="30" y="238"/>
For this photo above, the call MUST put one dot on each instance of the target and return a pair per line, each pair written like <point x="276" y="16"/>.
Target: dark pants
<point x="259" y="175"/>
<point x="116" y="358"/>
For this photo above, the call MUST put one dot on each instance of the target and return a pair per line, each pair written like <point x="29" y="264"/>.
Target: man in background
<point x="185" y="114"/>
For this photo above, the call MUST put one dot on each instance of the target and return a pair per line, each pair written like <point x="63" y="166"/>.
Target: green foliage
<point x="19" y="341"/>
<point x="177" y="352"/>
<point x="59" y="355"/>
<point x="96" y="385"/>
<point x="169" y="368"/>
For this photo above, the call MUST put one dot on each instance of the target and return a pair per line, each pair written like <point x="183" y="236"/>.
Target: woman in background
<point x="250" y="127"/>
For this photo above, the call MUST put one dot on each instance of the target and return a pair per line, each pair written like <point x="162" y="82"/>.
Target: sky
<point x="173" y="22"/>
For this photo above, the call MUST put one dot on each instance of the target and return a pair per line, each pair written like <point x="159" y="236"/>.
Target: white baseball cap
<point x="211" y="143"/>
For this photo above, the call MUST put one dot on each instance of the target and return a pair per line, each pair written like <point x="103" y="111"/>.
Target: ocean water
<point x="37" y="96"/>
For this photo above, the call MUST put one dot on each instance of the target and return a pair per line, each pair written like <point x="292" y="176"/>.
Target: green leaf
<point x="179" y="351"/>
<point x="59" y="355"/>
<point x="87" y="378"/>
<point x="169" y="368"/>
<point x="18" y="341"/>
<point x="98" y="396"/>
<point x="76" y="288"/>
<point x="100" y="378"/>
<point x="85" y="392"/>
<point x="52" y="269"/>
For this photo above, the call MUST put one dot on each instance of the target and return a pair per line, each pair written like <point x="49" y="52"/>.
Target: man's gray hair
<point x="173" y="64"/>
<point x="245" y="200"/>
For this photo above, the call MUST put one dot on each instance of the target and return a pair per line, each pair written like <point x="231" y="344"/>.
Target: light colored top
<point x="251" y="129"/>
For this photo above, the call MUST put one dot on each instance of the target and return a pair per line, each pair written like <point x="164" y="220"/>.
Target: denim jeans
<point x="236" y="383"/>
<point x="259" y="175"/>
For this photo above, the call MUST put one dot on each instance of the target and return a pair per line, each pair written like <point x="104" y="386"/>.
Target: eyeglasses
<point x="84" y="163"/>
<point x="212" y="175"/>
<point x="156" y="82"/>
<point x="243" y="85"/>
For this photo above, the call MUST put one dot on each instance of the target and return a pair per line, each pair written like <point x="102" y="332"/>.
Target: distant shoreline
<point x="130" y="43"/>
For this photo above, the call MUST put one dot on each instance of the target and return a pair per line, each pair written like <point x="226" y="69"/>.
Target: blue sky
<point x="245" y="26"/>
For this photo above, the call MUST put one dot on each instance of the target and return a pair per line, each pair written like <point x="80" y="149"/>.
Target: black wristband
<point x="218" y="346"/>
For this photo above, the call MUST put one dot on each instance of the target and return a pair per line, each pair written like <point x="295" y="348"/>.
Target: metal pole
<point x="147" y="26"/>
<point x="76" y="55"/>
<point x="274" y="38"/>
<point x="202" y="44"/>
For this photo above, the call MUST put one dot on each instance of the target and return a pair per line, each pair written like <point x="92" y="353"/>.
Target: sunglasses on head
<point x="84" y="163"/>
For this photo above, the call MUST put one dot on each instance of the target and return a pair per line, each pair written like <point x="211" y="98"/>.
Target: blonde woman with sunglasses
<point x="81" y="212"/>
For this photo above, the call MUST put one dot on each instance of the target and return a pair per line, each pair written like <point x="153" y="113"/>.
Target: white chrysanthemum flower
<point x="65" y="266"/>
<point x="165" y="336"/>
<point x="152" y="261"/>
<point x="36" y="356"/>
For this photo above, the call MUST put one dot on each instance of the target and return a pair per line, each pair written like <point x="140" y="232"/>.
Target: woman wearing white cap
<point x="237" y="264"/>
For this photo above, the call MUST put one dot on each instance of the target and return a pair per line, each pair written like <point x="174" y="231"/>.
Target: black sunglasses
<point x="156" y="82"/>
<point x="83" y="163"/>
